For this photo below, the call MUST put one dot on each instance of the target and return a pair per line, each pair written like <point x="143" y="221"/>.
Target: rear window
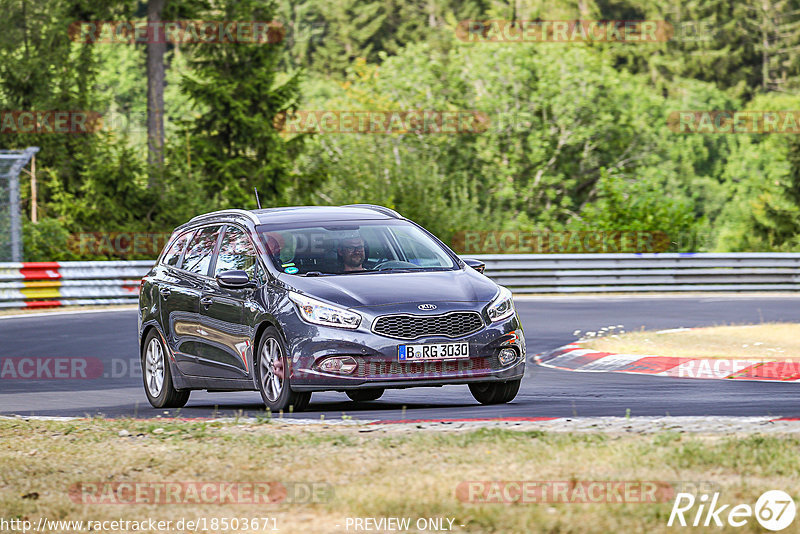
<point x="173" y="255"/>
<point x="201" y="248"/>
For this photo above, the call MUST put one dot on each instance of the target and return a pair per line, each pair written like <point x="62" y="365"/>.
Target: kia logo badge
<point x="425" y="307"/>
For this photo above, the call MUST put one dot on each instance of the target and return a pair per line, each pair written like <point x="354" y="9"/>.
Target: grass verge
<point x="386" y="473"/>
<point x="769" y="341"/>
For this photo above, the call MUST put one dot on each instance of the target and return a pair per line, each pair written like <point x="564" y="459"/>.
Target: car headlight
<point x="502" y="307"/>
<point x="318" y="312"/>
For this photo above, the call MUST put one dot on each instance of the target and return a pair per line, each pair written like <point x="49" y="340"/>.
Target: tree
<point x="327" y="36"/>
<point x="234" y="144"/>
<point x="156" y="48"/>
<point x="762" y="212"/>
<point x="641" y="206"/>
<point x="42" y="68"/>
<point x="561" y="119"/>
<point x="740" y="46"/>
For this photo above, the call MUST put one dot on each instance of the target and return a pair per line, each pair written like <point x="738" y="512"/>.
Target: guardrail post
<point x="19" y="159"/>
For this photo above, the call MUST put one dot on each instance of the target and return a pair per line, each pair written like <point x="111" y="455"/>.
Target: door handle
<point x="206" y="301"/>
<point x="165" y="291"/>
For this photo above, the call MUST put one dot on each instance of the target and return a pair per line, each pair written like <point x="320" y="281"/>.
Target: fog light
<point x="339" y="364"/>
<point x="507" y="356"/>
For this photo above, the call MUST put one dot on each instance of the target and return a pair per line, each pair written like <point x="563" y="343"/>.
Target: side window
<point x="201" y="248"/>
<point x="236" y="253"/>
<point x="173" y="255"/>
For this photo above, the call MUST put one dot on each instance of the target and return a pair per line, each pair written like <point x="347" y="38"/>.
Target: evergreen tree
<point x="763" y="174"/>
<point x="234" y="145"/>
<point x="776" y="213"/>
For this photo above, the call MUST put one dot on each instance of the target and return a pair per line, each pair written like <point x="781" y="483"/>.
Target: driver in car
<point x="351" y="252"/>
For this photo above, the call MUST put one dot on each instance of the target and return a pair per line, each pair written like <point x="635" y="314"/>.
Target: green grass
<point x="396" y="472"/>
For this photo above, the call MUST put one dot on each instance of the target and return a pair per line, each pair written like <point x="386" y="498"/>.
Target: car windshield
<point x="352" y="248"/>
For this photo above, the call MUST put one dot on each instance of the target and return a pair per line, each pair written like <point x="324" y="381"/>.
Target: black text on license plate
<point x="432" y="351"/>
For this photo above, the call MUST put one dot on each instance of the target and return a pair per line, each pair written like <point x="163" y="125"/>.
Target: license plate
<point x="432" y="351"/>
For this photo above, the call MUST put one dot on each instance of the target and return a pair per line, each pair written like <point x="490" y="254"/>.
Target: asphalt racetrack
<point x="548" y="321"/>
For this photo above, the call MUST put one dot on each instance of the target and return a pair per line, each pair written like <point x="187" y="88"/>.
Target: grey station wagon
<point x="288" y="301"/>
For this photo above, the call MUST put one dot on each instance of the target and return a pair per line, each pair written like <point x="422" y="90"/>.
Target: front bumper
<point x="378" y="365"/>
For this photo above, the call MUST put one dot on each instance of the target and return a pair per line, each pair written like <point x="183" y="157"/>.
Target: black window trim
<point x="223" y="227"/>
<point x="171" y="243"/>
<point x="213" y="251"/>
<point x="191" y="233"/>
<point x="246" y="232"/>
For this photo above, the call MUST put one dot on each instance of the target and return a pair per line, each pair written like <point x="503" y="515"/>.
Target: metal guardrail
<point x="66" y="283"/>
<point x="604" y="273"/>
<point x="117" y="282"/>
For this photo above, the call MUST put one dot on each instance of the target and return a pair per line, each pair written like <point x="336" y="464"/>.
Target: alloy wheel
<point x="154" y="367"/>
<point x="272" y="369"/>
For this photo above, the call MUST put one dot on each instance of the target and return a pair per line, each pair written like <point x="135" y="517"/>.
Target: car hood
<point x="361" y="290"/>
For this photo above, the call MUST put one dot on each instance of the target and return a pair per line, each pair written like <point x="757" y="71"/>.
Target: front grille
<point x="453" y="324"/>
<point x="432" y="369"/>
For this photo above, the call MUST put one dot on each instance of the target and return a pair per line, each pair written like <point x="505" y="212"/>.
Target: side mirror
<point x="235" y="280"/>
<point x="478" y="265"/>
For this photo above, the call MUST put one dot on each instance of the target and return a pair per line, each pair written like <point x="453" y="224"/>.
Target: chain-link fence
<point x="11" y="163"/>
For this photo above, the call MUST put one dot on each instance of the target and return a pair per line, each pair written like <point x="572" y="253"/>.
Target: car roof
<point x="301" y="214"/>
<point x="322" y="213"/>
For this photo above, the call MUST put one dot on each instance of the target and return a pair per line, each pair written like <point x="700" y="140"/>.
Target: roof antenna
<point x="258" y="200"/>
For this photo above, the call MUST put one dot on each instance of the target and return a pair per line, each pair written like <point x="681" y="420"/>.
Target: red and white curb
<point x="573" y="357"/>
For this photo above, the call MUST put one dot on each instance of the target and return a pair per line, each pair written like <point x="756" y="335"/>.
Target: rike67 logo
<point x="774" y="510"/>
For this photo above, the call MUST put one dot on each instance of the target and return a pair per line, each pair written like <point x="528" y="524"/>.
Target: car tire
<point x="157" y="376"/>
<point x="272" y="375"/>
<point x="495" y="392"/>
<point x="364" y="395"/>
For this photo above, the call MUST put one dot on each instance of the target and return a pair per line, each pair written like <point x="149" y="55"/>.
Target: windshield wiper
<point x="413" y="269"/>
<point x="390" y="270"/>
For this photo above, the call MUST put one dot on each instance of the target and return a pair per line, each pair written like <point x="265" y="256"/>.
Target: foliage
<point x="560" y="119"/>
<point x="328" y="36"/>
<point x="636" y="206"/>
<point x="234" y="142"/>
<point x="577" y="135"/>
<point x="47" y="240"/>
<point x="763" y="180"/>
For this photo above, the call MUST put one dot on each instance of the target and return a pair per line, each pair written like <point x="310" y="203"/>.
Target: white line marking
<point x="68" y="312"/>
<point x="705" y="297"/>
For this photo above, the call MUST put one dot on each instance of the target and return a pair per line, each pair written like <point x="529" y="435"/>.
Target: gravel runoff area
<point x="614" y="425"/>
